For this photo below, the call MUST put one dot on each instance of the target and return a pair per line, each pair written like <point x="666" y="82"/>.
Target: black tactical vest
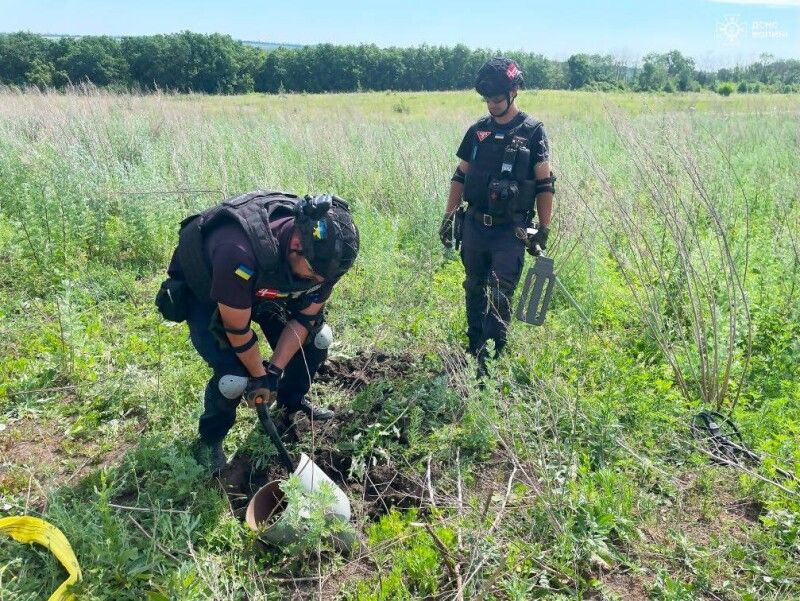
<point x="501" y="161"/>
<point x="253" y="212"/>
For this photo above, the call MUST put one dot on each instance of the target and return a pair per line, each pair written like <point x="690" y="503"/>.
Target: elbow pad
<point x="247" y="345"/>
<point x="546" y="184"/>
<point x="459" y="176"/>
<point x="309" y="322"/>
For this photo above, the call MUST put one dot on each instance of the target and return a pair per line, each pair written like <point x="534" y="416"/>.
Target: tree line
<point x="218" y="64"/>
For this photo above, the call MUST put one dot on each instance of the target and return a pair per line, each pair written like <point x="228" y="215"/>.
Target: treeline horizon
<point x="218" y="64"/>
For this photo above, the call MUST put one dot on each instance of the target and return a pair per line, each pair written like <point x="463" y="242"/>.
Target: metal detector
<point x="719" y="434"/>
<point x="537" y="292"/>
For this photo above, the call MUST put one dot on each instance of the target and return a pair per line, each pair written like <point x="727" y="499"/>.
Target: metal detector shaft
<point x="571" y="299"/>
<point x="263" y="415"/>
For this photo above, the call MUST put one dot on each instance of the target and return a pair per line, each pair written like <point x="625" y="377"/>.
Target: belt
<point x="488" y="220"/>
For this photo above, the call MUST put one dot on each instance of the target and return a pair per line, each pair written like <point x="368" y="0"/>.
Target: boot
<point x="315" y="412"/>
<point x="210" y="455"/>
<point x="218" y="459"/>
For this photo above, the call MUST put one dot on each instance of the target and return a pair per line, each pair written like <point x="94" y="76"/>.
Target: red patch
<point x="482" y="135"/>
<point x="270" y="294"/>
<point x="512" y="70"/>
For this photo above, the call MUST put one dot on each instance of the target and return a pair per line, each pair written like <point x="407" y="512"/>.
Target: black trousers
<point x="493" y="257"/>
<point x="219" y="412"/>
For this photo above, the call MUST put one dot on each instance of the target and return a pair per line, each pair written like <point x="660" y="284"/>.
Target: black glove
<point x="537" y="242"/>
<point x="446" y="230"/>
<point x="263" y="389"/>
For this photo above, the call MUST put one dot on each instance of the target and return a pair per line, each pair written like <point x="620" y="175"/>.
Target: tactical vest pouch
<point x="476" y="189"/>
<point x="173" y="300"/>
<point x="525" y="200"/>
<point x="522" y="164"/>
<point x="190" y="255"/>
<point x="503" y="195"/>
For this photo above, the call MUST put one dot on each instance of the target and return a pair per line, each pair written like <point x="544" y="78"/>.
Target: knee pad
<point x="322" y="337"/>
<point x="232" y="387"/>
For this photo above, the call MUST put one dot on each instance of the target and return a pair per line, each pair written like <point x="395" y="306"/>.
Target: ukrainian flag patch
<point x="244" y="272"/>
<point x="321" y="230"/>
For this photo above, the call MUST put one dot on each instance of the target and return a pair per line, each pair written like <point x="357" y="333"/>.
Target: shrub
<point x="726" y="88"/>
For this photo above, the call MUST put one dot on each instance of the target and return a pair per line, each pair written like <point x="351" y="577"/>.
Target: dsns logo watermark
<point x="767" y="30"/>
<point x="731" y="30"/>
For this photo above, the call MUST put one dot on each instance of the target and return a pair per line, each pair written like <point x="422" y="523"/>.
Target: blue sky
<point x="713" y="32"/>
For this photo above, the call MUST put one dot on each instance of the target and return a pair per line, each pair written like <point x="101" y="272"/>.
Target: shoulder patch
<point x="482" y="135"/>
<point x="244" y="272"/>
<point x="271" y="294"/>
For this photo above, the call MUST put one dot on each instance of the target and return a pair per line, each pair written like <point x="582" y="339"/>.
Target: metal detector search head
<point x="537" y="292"/>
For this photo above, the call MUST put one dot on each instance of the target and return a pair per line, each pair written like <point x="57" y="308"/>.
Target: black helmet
<point x="328" y="234"/>
<point x="498" y="76"/>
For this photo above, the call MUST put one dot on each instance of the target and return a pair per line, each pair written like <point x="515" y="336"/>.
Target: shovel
<point x="266" y="508"/>
<point x="269" y="426"/>
<point x="537" y="292"/>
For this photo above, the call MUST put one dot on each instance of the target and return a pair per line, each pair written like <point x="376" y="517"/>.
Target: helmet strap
<point x="508" y="105"/>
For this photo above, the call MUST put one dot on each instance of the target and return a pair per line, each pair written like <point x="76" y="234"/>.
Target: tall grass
<point x="675" y="228"/>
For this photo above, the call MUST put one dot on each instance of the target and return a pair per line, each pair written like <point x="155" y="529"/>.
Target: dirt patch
<point x="381" y="487"/>
<point x="37" y="456"/>
<point x="334" y="582"/>
<point x="322" y="443"/>
<point x="626" y="585"/>
<point x="385" y="487"/>
<point x="240" y="480"/>
<point x="353" y="374"/>
<point x="749" y="509"/>
<point x="706" y="511"/>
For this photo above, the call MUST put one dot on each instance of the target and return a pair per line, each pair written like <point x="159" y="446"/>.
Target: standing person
<point x="267" y="257"/>
<point x="504" y="176"/>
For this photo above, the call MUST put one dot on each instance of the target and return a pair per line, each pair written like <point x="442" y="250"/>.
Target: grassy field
<point x="574" y="476"/>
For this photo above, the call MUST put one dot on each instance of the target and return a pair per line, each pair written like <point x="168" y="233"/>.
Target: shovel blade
<point x="536" y="292"/>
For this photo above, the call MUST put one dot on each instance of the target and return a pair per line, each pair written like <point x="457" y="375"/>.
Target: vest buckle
<point x="487" y="220"/>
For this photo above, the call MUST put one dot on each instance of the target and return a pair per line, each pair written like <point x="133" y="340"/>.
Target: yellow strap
<point x="26" y="529"/>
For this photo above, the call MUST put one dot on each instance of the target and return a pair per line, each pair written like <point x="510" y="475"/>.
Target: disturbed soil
<point x="383" y="486"/>
<point x="353" y="374"/>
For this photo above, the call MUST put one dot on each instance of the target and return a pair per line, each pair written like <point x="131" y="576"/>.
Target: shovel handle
<point x="266" y="421"/>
